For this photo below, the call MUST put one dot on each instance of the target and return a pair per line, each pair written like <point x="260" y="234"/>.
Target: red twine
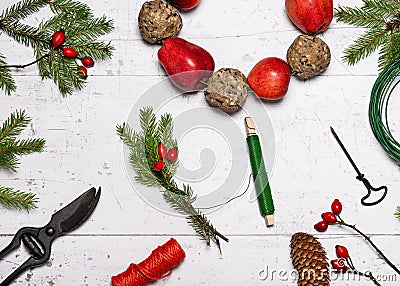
<point x="156" y="267"/>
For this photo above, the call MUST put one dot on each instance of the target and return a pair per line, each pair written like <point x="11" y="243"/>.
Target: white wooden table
<point x="310" y="170"/>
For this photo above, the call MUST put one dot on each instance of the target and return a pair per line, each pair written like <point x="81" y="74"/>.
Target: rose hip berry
<point x="58" y="38"/>
<point x="336" y="207"/>
<point x="70" y="53"/>
<point x="321" y="226"/>
<point x="162" y="150"/>
<point x="172" y="155"/>
<point x="342" y="252"/>
<point x="88" y="62"/>
<point x="329" y="217"/>
<point x="158" y="165"/>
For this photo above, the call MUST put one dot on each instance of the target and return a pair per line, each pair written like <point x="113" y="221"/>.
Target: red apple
<point x="270" y="78"/>
<point x="185" y="4"/>
<point x="310" y="16"/>
<point x="187" y="64"/>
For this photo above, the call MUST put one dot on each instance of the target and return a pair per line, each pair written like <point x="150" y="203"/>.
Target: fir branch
<point x="9" y="150"/>
<point x="358" y="17"/>
<point x="397" y="213"/>
<point x="10" y="147"/>
<point x="17" y="199"/>
<point x="387" y="52"/>
<point x="96" y="50"/>
<point x="382" y="19"/>
<point x="364" y="45"/>
<point x="82" y="31"/>
<point x="7" y="82"/>
<point x="21" y="10"/>
<point x="24" y="34"/>
<point x="143" y="153"/>
<point x="75" y="8"/>
<point x="89" y="30"/>
<point x="65" y="73"/>
<point x="14" y="125"/>
<point x="382" y="9"/>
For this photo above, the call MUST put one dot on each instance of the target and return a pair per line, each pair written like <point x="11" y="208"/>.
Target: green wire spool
<point x="260" y="176"/>
<point x="382" y="90"/>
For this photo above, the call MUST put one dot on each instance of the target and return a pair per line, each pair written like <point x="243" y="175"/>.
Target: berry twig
<point x="26" y="65"/>
<point x="353" y="227"/>
<point x="333" y="217"/>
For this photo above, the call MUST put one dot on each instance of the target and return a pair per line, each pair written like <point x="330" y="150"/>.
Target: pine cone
<point x="309" y="259"/>
<point x="308" y="56"/>
<point x="158" y="21"/>
<point x="227" y="90"/>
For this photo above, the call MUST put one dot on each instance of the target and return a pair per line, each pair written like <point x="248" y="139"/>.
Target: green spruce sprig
<point x="10" y="149"/>
<point x="382" y="21"/>
<point x="17" y="199"/>
<point x="143" y="153"/>
<point x="397" y="213"/>
<point x="82" y="31"/>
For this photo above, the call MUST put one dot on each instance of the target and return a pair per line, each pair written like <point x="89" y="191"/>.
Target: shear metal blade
<point x="77" y="212"/>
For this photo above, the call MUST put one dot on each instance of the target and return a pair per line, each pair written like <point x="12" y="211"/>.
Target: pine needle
<point x="144" y="152"/>
<point x="17" y="199"/>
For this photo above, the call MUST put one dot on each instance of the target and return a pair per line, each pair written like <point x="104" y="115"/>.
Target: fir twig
<point x="10" y="148"/>
<point x="21" y="10"/>
<point x="382" y="21"/>
<point x="143" y="153"/>
<point x="82" y="30"/>
<point x="17" y="199"/>
<point x="14" y="125"/>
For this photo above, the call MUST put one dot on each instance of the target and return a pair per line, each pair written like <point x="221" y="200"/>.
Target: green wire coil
<point x="260" y="176"/>
<point x="383" y="88"/>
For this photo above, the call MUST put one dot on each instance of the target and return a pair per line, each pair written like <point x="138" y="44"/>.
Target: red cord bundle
<point x="156" y="267"/>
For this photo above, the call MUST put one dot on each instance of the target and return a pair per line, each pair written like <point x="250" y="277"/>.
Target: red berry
<point x="158" y="165"/>
<point x="70" y="53"/>
<point x="87" y="62"/>
<point x="58" y="38"/>
<point x="342" y="252"/>
<point x="172" y="154"/>
<point x="329" y="217"/>
<point x="162" y="150"/>
<point x="336" y="207"/>
<point x="84" y="71"/>
<point x="321" y="226"/>
<point x="339" y="265"/>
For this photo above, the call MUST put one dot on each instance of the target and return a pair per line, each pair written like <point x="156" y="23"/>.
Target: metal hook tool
<point x="38" y="241"/>
<point x="362" y="178"/>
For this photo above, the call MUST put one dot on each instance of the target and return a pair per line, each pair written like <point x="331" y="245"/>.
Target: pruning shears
<point x="38" y="241"/>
